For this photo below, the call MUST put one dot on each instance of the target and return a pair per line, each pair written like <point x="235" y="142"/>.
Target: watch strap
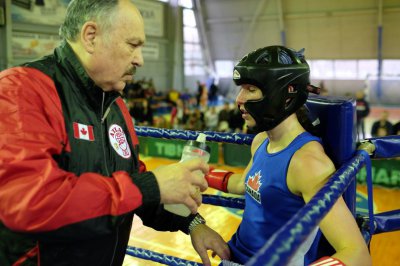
<point x="198" y="219"/>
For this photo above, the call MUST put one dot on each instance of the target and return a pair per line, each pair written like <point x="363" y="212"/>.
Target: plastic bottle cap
<point x="201" y="137"/>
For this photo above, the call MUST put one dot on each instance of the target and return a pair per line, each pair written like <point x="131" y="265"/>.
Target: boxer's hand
<point x="218" y="179"/>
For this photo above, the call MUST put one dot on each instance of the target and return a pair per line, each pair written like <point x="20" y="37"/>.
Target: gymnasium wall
<point x="342" y="29"/>
<point x="31" y="31"/>
<point x="328" y="30"/>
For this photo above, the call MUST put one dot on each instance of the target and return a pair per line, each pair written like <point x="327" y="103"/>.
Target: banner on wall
<point x="153" y="16"/>
<point x="32" y="45"/>
<point x="171" y="148"/>
<point x="384" y="173"/>
<point x="51" y="13"/>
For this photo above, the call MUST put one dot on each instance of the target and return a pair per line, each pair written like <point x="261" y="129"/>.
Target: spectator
<point x="396" y="128"/>
<point x="212" y="93"/>
<point x="382" y="127"/>
<point x="362" y="109"/>
<point x="224" y="117"/>
<point x="204" y="98"/>
<point x="199" y="92"/>
<point x="173" y="96"/>
<point x="147" y="114"/>
<point x="196" y="121"/>
<point x="324" y="90"/>
<point x="236" y="121"/>
<point x="211" y="119"/>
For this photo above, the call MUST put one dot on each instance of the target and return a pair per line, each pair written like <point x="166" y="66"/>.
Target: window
<point x="186" y="3"/>
<point x="321" y="69"/>
<point x="391" y="68"/>
<point x="189" y="18"/>
<point x="367" y="68"/>
<point x="345" y="69"/>
<point x="193" y="68"/>
<point x="353" y="69"/>
<point x="224" y="68"/>
<point x="193" y="54"/>
<point x="191" y="35"/>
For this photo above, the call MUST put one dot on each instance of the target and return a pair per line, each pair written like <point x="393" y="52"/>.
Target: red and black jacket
<point x="69" y="168"/>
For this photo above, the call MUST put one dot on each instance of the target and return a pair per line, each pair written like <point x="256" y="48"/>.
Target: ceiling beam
<point x="317" y="14"/>
<point x="198" y="12"/>
<point x="250" y="29"/>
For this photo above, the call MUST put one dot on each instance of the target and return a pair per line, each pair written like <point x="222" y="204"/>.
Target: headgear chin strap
<point x="272" y="69"/>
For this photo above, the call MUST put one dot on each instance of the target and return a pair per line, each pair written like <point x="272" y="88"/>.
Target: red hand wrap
<point x="218" y="179"/>
<point x="325" y="261"/>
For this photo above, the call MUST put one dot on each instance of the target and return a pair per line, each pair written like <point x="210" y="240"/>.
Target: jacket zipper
<point x="103" y="119"/>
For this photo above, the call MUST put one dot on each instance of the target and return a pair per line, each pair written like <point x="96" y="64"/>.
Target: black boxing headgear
<point x="272" y="69"/>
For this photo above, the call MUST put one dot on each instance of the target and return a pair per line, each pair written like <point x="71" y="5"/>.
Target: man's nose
<point x="138" y="57"/>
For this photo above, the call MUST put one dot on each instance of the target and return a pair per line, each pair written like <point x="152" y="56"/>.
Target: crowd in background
<point x="207" y="110"/>
<point x="381" y="127"/>
<point x="203" y="110"/>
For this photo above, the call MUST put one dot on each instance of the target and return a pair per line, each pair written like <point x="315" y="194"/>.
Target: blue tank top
<point x="269" y="203"/>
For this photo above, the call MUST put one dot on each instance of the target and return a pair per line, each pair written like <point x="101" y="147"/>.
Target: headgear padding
<point x="272" y="69"/>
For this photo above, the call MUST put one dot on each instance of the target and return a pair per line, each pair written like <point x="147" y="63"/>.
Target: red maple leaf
<point x="254" y="182"/>
<point x="83" y="131"/>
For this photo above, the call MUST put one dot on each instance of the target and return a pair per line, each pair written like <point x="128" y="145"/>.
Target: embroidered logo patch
<point x="253" y="185"/>
<point x="118" y="141"/>
<point x="82" y="131"/>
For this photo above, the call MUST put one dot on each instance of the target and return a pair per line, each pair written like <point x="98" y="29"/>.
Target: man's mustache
<point x="131" y="71"/>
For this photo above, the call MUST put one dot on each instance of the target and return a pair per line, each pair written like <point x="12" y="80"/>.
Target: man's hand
<point x="204" y="238"/>
<point x="179" y="183"/>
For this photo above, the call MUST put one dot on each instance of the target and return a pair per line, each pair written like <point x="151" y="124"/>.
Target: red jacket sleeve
<point x="35" y="194"/>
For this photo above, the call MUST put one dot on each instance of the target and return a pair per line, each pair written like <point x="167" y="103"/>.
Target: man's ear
<point x="88" y="36"/>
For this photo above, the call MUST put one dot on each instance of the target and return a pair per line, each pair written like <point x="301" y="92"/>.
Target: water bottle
<point x="193" y="149"/>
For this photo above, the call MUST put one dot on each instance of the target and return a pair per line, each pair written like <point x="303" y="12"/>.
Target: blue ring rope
<point x="284" y="243"/>
<point x="159" y="257"/>
<point x="229" y="202"/>
<point x="370" y="193"/>
<point x="235" y="138"/>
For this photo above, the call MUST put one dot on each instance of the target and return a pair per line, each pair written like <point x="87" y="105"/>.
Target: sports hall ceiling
<point x="340" y="29"/>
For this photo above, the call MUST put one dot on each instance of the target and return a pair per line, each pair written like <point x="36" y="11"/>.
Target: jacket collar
<point x="68" y="59"/>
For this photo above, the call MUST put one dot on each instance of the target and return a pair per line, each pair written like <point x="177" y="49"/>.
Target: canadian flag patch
<point x="82" y="131"/>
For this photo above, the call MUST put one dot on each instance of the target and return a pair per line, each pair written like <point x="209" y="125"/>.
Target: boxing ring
<point x="338" y="134"/>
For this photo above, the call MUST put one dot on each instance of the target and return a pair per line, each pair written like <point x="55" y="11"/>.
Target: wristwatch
<point x="198" y="219"/>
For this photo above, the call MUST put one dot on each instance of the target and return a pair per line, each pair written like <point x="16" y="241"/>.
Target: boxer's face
<point x="248" y="92"/>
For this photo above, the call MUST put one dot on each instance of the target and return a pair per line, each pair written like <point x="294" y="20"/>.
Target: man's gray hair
<point x="81" y="11"/>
